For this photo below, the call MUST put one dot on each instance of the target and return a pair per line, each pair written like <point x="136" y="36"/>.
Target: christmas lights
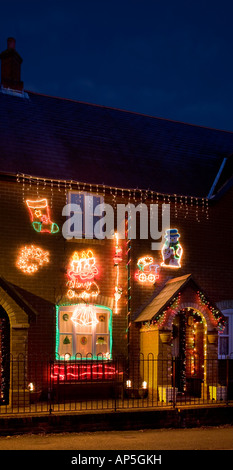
<point x="172" y="250"/>
<point x="128" y="266"/>
<point x="89" y="330"/>
<point x="171" y="311"/>
<point x="31" y="258"/>
<point x="215" y="315"/>
<point x="117" y="259"/>
<point x="84" y="315"/>
<point x="148" y="270"/>
<point x="179" y="201"/>
<point x="79" y="372"/>
<point x="81" y="272"/>
<point x="40" y="216"/>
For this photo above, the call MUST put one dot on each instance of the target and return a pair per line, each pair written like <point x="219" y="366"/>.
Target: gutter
<point x="217" y="178"/>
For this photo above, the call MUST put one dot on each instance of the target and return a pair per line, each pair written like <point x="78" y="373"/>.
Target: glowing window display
<point x="83" y="331"/>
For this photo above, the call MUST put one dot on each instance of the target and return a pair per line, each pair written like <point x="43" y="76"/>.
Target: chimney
<point x="11" y="67"/>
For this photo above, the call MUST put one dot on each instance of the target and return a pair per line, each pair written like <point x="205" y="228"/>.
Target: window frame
<point x="87" y="236"/>
<point x="228" y="313"/>
<point x="90" y="355"/>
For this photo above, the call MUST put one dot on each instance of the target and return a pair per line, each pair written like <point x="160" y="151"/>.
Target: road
<point x="205" y="438"/>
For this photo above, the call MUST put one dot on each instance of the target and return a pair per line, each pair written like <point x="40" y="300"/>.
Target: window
<point x="84" y="331"/>
<point x="225" y="342"/>
<point x="87" y="203"/>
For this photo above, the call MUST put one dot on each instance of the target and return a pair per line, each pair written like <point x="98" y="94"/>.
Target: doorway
<point x="4" y="357"/>
<point x="188" y="350"/>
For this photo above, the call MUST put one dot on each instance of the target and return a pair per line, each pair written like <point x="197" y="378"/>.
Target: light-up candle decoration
<point x="81" y="273"/>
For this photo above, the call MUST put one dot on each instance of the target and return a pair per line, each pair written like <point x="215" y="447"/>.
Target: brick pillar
<point x="212" y="363"/>
<point x="149" y="340"/>
<point x="19" y="395"/>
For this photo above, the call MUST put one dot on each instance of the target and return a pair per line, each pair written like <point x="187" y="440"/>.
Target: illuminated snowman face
<point x="173" y="238"/>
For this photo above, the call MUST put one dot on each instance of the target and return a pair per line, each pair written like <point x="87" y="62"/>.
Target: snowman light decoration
<point x="172" y="250"/>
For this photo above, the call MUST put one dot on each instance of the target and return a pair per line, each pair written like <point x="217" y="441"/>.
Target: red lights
<point x="72" y="372"/>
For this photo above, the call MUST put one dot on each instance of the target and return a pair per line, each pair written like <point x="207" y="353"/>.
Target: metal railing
<point x="47" y="385"/>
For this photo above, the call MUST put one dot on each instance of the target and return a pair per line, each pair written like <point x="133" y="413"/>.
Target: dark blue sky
<point x="167" y="58"/>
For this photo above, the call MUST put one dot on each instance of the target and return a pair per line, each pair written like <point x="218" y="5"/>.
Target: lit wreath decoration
<point x="31" y="258"/>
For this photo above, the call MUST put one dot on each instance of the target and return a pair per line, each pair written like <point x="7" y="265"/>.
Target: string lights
<point x="128" y="266"/>
<point x="215" y="315"/>
<point x="117" y="259"/>
<point x="74" y="371"/>
<point x="170" y="311"/>
<point x="178" y="202"/>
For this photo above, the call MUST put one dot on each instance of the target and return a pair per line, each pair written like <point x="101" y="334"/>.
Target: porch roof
<point x="13" y="292"/>
<point x="158" y="303"/>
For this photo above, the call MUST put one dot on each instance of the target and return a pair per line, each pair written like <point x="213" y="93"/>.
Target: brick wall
<point x="207" y="256"/>
<point x="47" y="287"/>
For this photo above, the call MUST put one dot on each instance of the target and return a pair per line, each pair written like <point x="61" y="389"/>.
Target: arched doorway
<point x="4" y="357"/>
<point x="188" y="348"/>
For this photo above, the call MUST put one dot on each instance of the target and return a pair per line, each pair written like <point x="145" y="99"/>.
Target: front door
<point x="188" y="349"/>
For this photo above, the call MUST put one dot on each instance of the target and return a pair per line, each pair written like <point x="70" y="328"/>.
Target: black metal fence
<point x="53" y="386"/>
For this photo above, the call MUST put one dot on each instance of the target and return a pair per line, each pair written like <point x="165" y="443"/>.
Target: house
<point x="88" y="299"/>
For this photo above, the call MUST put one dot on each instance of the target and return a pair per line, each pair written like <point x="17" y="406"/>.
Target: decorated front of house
<point x="87" y="304"/>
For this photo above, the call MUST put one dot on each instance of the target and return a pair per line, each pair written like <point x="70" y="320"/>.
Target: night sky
<point x="170" y="59"/>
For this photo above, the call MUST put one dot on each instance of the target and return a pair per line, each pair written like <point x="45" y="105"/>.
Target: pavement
<point x="204" y="438"/>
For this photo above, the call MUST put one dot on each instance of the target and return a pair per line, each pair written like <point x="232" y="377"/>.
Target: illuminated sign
<point x="84" y="315"/>
<point x="81" y="272"/>
<point x="147" y="270"/>
<point x="31" y="258"/>
<point x="172" y="250"/>
<point x="40" y="216"/>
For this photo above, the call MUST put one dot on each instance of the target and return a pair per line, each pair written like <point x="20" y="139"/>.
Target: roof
<point x="30" y="303"/>
<point x="172" y="287"/>
<point x="14" y="293"/>
<point x="56" y="138"/>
